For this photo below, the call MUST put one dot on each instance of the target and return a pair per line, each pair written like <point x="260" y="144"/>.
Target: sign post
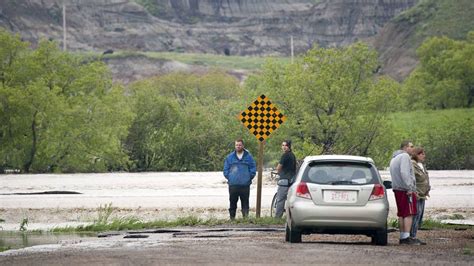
<point x="259" y="177"/>
<point x="261" y="118"/>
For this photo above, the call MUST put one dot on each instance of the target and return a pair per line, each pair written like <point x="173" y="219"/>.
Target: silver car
<point x="337" y="194"/>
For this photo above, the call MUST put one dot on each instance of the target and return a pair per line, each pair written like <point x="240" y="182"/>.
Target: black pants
<point x="236" y="192"/>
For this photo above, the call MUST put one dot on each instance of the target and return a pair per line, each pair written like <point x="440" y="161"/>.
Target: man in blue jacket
<point x="239" y="170"/>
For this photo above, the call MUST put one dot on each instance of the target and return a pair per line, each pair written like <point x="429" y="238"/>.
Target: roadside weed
<point x="23" y="224"/>
<point x="393" y="223"/>
<point x="103" y="213"/>
<point x="133" y="223"/>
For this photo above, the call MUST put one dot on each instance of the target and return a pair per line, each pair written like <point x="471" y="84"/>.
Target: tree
<point x="58" y="112"/>
<point x="331" y="98"/>
<point x="445" y="76"/>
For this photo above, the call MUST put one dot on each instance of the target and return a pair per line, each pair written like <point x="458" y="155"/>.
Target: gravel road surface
<point x="247" y="246"/>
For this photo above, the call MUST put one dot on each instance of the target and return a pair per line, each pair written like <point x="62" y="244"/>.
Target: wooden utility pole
<point x="64" y="26"/>
<point x="291" y="43"/>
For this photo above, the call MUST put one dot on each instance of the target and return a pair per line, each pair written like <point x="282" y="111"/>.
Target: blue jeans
<point x="418" y="218"/>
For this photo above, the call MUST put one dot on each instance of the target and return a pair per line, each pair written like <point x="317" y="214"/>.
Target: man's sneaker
<point x="419" y="241"/>
<point x="409" y="241"/>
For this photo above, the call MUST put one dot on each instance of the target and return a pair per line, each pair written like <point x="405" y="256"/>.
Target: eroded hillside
<point x="239" y="27"/>
<point x="232" y="27"/>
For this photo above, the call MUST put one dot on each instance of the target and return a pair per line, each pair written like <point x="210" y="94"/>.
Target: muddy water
<point x="16" y="240"/>
<point x="165" y="194"/>
<point x="175" y="190"/>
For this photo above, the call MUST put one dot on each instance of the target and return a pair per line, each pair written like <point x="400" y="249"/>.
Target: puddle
<point x="17" y="240"/>
<point x="136" y="236"/>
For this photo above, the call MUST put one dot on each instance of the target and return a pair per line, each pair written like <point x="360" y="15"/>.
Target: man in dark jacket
<point x="239" y="170"/>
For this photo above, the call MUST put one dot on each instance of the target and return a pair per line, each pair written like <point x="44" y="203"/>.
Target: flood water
<point x="16" y="239"/>
<point x="450" y="189"/>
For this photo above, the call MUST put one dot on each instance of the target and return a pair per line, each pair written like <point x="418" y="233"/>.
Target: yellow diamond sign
<point x="262" y="118"/>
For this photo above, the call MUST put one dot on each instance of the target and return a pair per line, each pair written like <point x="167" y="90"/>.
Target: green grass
<point x="427" y="118"/>
<point x="195" y="59"/>
<point x="104" y="223"/>
<point x="431" y="224"/>
<point x="208" y="60"/>
<point x="132" y="223"/>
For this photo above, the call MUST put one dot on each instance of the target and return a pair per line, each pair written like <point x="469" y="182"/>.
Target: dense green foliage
<point x="56" y="112"/>
<point x="445" y="76"/>
<point x="443" y="80"/>
<point x="447" y="136"/>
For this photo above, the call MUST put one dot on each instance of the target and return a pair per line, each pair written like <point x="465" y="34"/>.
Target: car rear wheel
<point x="287" y="233"/>
<point x="293" y="234"/>
<point x="380" y="238"/>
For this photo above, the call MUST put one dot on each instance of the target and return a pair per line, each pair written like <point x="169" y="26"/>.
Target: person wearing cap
<point x="286" y="169"/>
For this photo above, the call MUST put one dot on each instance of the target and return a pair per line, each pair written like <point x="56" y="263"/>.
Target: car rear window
<point x="343" y="173"/>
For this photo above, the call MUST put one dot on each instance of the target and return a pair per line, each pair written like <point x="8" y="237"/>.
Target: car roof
<point x="339" y="158"/>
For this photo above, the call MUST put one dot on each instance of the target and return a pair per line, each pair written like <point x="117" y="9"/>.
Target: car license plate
<point x="340" y="196"/>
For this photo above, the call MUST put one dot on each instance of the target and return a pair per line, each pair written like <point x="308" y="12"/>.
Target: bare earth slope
<point x="398" y="40"/>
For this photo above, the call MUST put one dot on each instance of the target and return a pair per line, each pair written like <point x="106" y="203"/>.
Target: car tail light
<point x="302" y="191"/>
<point x="377" y="192"/>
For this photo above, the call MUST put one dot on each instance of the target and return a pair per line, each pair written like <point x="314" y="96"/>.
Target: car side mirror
<point x="387" y="184"/>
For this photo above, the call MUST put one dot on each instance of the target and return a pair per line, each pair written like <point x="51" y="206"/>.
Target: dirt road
<point x="247" y="246"/>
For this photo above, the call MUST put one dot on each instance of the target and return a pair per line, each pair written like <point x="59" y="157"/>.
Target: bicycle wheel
<point x="273" y="206"/>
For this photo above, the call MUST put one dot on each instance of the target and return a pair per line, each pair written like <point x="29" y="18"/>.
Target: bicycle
<point x="274" y="205"/>
<point x="274" y="176"/>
